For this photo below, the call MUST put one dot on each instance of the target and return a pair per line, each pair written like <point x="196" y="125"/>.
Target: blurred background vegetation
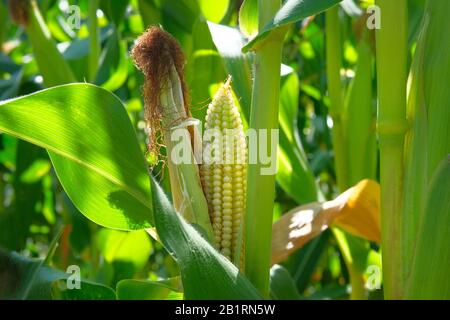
<point x="34" y="209"/>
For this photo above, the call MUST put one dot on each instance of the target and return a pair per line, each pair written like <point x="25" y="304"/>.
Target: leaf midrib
<point x="130" y="190"/>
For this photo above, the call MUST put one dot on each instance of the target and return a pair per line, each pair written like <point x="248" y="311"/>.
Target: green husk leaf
<point x="205" y="273"/>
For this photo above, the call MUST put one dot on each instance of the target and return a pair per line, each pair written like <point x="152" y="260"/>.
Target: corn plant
<point x="156" y="150"/>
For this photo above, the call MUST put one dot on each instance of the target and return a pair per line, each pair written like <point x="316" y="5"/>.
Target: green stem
<point x="94" y="40"/>
<point x="392" y="76"/>
<point x="334" y="64"/>
<point x="261" y="188"/>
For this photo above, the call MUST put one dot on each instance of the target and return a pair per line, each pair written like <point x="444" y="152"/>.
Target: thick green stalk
<point x="334" y="64"/>
<point x="52" y="65"/>
<point x="94" y="40"/>
<point x="261" y="188"/>
<point x="392" y="74"/>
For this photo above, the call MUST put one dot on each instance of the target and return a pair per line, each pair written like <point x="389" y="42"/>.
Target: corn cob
<point x="224" y="171"/>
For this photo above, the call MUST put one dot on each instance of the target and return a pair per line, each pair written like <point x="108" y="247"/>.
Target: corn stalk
<point x="392" y="73"/>
<point x="261" y="188"/>
<point x="94" y="40"/>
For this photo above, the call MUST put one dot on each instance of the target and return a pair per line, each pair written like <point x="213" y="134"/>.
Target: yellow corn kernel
<point x="224" y="171"/>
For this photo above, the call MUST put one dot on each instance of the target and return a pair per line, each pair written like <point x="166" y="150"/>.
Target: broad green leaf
<point x="214" y="10"/>
<point x="291" y="11"/>
<point x="429" y="275"/>
<point x="205" y="273"/>
<point x="282" y="286"/>
<point x="427" y="142"/>
<point x="21" y="276"/>
<point x="93" y="148"/>
<point x="169" y="289"/>
<point x="229" y="42"/>
<point x="248" y="18"/>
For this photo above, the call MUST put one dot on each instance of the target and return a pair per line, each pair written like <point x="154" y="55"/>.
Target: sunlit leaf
<point x="248" y="18"/>
<point x="214" y="10"/>
<point x="93" y="148"/>
<point x="126" y="252"/>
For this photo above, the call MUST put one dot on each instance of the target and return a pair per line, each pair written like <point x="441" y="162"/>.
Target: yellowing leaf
<point x="361" y="212"/>
<point x="357" y="211"/>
